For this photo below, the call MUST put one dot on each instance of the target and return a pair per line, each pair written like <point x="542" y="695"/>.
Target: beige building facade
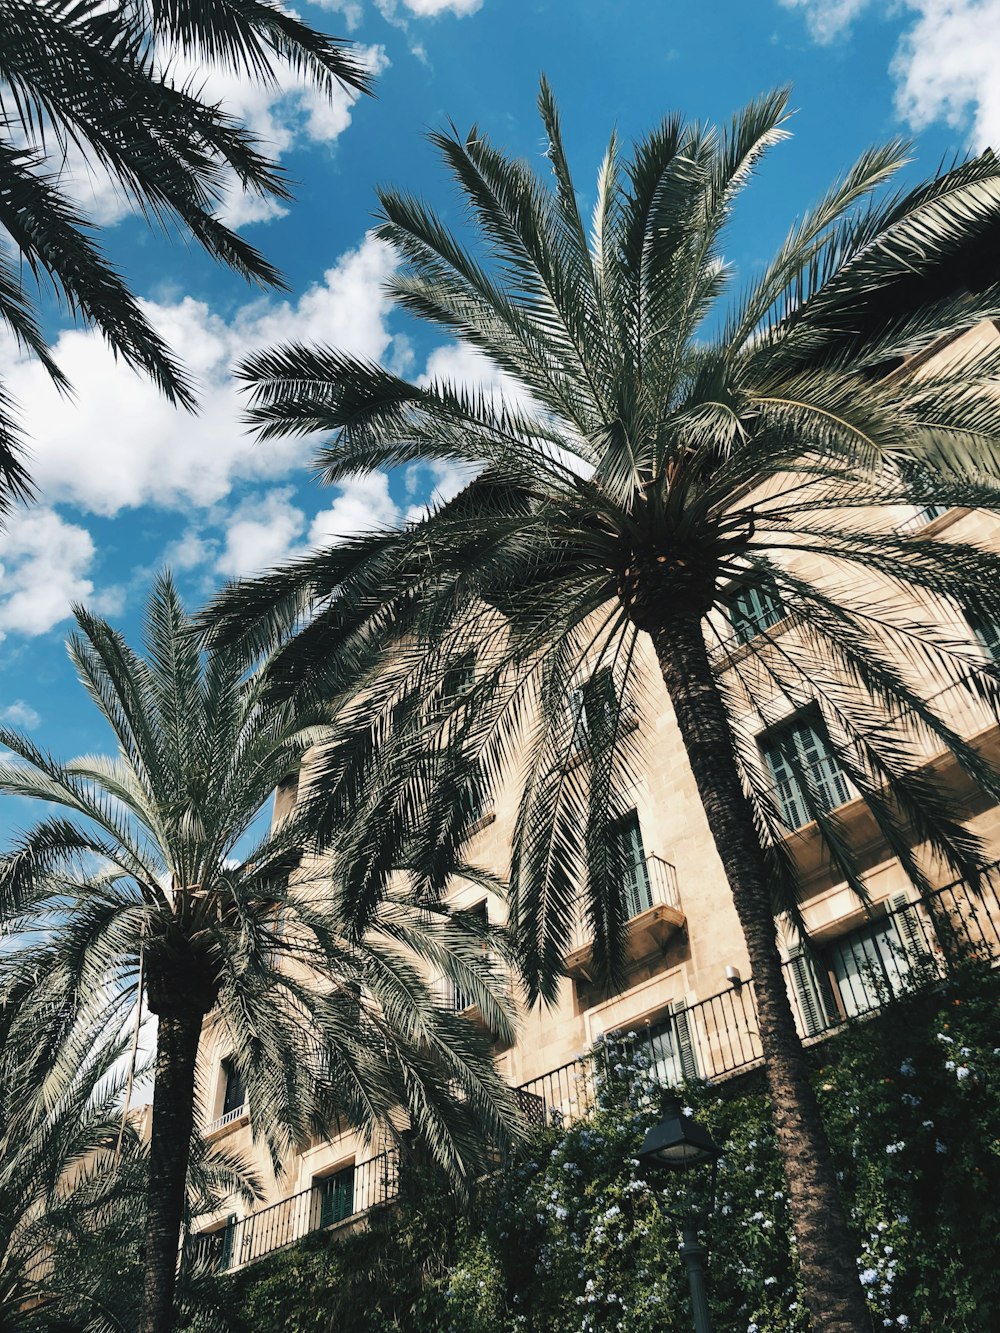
<point x="688" y="992"/>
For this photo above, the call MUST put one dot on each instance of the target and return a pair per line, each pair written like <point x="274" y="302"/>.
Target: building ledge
<point x="645" y="934"/>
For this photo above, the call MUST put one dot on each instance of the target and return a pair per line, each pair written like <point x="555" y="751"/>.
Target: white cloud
<point x="364" y="502"/>
<point x="828" y="19"/>
<point x="117" y="444"/>
<point x="431" y="8"/>
<point x="20" y="714"/>
<point x="261" y="534"/>
<point x="44" y="568"/>
<point x="945" y="66"/>
<point x="351" y="10"/>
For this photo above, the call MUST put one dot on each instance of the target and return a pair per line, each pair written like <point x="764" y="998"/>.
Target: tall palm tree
<point x="650" y="444"/>
<point x="73" y="1169"/>
<point x="100" y="79"/>
<point x="154" y="883"/>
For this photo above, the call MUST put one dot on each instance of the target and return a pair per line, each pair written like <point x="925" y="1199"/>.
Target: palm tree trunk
<point x="826" y="1250"/>
<point x="178" y="1035"/>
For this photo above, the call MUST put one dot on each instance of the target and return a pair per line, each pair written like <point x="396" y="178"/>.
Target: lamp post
<point x="680" y="1144"/>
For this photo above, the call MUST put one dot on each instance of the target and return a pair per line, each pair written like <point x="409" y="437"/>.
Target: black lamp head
<point x="678" y="1143"/>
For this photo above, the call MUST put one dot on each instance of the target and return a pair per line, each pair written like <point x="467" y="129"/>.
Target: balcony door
<point x="631" y="857"/>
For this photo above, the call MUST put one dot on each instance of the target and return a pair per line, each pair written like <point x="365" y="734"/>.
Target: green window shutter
<point x="909" y="928"/>
<point x="687" y="1056"/>
<point x="336" y="1197"/>
<point x="632" y="862"/>
<point x="812" y="1006"/>
<point x="227" y="1236"/>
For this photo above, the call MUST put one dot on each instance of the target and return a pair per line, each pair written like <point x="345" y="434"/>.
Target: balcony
<point x="233" y="1117"/>
<point x="243" y="1240"/>
<point x="654" y="904"/>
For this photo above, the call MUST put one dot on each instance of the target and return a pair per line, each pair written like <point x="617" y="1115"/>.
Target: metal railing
<point x="241" y="1240"/>
<point x="654" y="885"/>
<point x="908" y="946"/>
<point x="924" y="515"/>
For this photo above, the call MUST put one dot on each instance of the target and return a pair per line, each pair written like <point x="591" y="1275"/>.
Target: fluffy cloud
<point x="364" y="502"/>
<point x="945" y="65"/>
<point x="21" y="715"/>
<point x="44" y="566"/>
<point x="431" y="8"/>
<point x="828" y="19"/>
<point x="117" y="444"/>
<point x="260" y="534"/>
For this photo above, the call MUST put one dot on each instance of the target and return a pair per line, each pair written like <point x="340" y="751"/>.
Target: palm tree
<point x="73" y="1167"/>
<point x="96" y="78"/>
<point x="155" y="883"/>
<point x="660" y="444"/>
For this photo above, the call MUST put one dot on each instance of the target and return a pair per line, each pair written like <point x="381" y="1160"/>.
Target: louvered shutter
<point x="812" y="1006"/>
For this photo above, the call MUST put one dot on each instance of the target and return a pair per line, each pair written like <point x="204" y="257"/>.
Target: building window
<point x="234" y="1095"/>
<point x="214" y="1249"/>
<point x="334" y="1196"/>
<point x="928" y="513"/>
<point x="869" y="965"/>
<point x="752" y="607"/>
<point x="805" y="771"/>
<point x="457" y="681"/>
<point x="669" y="1046"/>
<point x="629" y="855"/>
<point x="478" y="916"/>
<point x="593" y="708"/>
<point x="987" y="634"/>
<point x="858" y="972"/>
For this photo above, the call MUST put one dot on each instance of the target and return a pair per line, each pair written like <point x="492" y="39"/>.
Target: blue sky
<point x="128" y="485"/>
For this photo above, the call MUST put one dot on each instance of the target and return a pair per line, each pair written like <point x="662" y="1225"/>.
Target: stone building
<point x="688" y="993"/>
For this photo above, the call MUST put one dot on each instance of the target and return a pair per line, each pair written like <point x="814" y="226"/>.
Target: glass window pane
<point x="868" y="966"/>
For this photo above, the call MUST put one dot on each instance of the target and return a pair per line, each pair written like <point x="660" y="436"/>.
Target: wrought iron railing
<point x="909" y="945"/>
<point x="241" y="1240"/>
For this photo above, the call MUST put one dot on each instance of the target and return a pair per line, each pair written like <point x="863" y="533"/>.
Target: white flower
<point x="869" y="1276"/>
<point x="961" y="1072"/>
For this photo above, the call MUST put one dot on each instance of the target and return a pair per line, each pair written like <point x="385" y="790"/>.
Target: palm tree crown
<point x="98" y="78"/>
<point x="654" y="443"/>
<point x="157" y="883"/>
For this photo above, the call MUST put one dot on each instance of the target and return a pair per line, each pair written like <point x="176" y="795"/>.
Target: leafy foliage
<point x="156" y="886"/>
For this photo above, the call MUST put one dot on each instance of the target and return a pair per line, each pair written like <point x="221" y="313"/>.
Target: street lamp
<point x="680" y="1144"/>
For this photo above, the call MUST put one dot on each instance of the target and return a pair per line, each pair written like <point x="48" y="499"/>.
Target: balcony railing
<point x="924" y="515"/>
<point x="245" y="1239"/>
<point x="228" y="1118"/>
<point x="859" y="974"/>
<point x="654" y="885"/>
